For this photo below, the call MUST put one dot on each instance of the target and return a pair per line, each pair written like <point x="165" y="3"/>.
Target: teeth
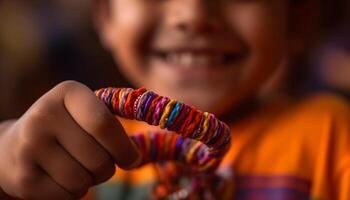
<point x="187" y="60"/>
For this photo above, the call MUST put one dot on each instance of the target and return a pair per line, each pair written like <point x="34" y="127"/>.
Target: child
<point x="215" y="55"/>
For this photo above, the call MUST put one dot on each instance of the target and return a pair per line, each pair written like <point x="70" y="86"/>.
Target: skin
<point x="132" y="31"/>
<point x="68" y="142"/>
<point x="62" y="146"/>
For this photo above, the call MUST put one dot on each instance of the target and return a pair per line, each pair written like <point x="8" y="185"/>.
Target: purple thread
<point x="158" y="110"/>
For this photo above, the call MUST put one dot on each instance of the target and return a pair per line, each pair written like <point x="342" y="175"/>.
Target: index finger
<point x="94" y="117"/>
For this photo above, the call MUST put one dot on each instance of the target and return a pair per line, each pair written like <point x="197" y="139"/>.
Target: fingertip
<point x="138" y="160"/>
<point x="133" y="158"/>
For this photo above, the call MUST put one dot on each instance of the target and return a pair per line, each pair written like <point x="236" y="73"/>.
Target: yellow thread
<point x="210" y="163"/>
<point x="190" y="153"/>
<point x="166" y="113"/>
<point x="213" y="130"/>
<point x="120" y="98"/>
<point x="205" y="125"/>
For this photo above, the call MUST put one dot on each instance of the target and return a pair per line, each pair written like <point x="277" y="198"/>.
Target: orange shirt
<point x="288" y="150"/>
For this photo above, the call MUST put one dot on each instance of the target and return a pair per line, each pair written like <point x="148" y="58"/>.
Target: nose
<point x="195" y="16"/>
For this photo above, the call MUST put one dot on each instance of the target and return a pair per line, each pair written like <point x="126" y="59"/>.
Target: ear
<point x="101" y="19"/>
<point x="303" y="24"/>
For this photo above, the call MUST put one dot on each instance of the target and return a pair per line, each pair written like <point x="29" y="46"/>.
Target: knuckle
<point x="33" y="119"/>
<point x="32" y="131"/>
<point x="40" y="117"/>
<point x="46" y="114"/>
<point x="68" y="85"/>
<point x="29" y="139"/>
<point x="62" y="88"/>
<point x="26" y="146"/>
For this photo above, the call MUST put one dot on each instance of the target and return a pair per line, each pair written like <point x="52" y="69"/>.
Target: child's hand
<point x="65" y="143"/>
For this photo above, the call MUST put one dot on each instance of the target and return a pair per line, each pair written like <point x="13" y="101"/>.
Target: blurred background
<point x="45" y="42"/>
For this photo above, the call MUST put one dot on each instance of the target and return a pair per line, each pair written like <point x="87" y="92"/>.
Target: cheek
<point x="133" y="22"/>
<point x="262" y="27"/>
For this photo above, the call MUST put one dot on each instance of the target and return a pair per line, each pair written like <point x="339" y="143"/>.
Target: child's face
<point x="208" y="53"/>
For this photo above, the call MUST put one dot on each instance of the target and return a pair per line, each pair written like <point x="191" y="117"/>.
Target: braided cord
<point x="201" y="141"/>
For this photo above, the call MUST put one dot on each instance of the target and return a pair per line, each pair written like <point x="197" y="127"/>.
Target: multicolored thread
<point x="201" y="140"/>
<point x="174" y="116"/>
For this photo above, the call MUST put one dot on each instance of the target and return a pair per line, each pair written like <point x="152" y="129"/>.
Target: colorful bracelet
<point x="190" y="124"/>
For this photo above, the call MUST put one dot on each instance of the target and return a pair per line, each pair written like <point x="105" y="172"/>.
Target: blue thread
<point x="173" y="114"/>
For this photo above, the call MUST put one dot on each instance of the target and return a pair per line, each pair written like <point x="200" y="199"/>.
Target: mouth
<point x="190" y="59"/>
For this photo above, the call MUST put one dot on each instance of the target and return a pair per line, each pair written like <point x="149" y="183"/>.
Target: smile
<point x="197" y="59"/>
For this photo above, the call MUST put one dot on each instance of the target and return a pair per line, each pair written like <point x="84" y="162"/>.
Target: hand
<point x="67" y="142"/>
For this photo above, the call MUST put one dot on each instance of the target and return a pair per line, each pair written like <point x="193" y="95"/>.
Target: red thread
<point x="149" y="116"/>
<point x="129" y="103"/>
